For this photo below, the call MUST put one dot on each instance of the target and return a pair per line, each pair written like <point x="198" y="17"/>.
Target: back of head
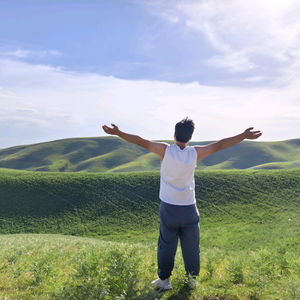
<point x="184" y="130"/>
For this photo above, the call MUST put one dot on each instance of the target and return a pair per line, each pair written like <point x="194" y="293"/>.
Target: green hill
<point x="111" y="154"/>
<point x="249" y="235"/>
<point x="127" y="203"/>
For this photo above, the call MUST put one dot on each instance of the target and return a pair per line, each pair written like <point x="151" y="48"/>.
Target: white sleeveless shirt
<point x="177" y="184"/>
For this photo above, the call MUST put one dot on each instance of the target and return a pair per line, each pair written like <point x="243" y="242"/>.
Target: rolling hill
<point x="127" y="204"/>
<point x="249" y="237"/>
<point x="112" y="154"/>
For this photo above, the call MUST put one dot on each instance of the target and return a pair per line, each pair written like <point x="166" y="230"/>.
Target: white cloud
<point x="51" y="103"/>
<point x="20" y="53"/>
<point x="235" y="62"/>
<point x="170" y="17"/>
<point x="240" y="30"/>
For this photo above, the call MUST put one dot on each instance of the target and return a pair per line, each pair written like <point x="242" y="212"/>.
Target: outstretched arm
<point x="155" y="147"/>
<point x="204" y="151"/>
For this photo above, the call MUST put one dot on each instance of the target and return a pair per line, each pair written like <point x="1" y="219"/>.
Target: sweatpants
<point x="178" y="222"/>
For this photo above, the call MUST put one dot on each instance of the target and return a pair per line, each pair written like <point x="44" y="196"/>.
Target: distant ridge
<point x="112" y="154"/>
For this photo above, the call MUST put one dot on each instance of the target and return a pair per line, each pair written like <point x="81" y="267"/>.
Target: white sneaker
<point x="192" y="283"/>
<point x="162" y="284"/>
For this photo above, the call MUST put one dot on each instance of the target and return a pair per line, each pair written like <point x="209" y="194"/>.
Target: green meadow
<point x="112" y="154"/>
<point x="93" y="236"/>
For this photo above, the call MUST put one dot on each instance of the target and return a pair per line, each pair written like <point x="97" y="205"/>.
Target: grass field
<point x="64" y="267"/>
<point x="250" y="236"/>
<point x="126" y="204"/>
<point x="112" y="154"/>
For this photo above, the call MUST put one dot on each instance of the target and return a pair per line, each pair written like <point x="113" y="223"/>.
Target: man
<point x="179" y="216"/>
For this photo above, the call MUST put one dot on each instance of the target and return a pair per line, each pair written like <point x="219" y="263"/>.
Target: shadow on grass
<point x="184" y="293"/>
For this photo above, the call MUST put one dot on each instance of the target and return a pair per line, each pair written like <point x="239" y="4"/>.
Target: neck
<point x="181" y="145"/>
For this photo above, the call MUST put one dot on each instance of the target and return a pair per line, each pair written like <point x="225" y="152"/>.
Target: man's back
<point x="177" y="185"/>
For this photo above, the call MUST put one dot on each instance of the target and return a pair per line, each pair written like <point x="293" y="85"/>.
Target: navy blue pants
<point x="178" y="222"/>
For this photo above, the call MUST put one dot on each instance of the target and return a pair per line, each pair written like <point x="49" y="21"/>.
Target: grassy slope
<point x="77" y="203"/>
<point x="236" y="204"/>
<point x="63" y="267"/>
<point x="249" y="248"/>
<point x="110" y="154"/>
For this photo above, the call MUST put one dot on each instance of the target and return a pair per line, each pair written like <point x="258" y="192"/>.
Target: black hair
<point x="184" y="130"/>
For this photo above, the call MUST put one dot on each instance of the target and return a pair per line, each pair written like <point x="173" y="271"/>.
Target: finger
<point x="106" y="128"/>
<point x="256" y="136"/>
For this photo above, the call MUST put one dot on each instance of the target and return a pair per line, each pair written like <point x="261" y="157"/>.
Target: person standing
<point x="179" y="216"/>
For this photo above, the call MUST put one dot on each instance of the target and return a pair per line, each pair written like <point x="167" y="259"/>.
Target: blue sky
<point x="68" y="67"/>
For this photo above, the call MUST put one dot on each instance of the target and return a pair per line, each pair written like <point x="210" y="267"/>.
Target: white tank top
<point x="177" y="184"/>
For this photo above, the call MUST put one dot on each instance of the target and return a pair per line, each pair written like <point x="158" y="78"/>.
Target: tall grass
<point x="50" y="267"/>
<point x="62" y="267"/>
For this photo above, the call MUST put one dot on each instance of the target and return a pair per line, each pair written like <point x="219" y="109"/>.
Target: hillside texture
<point x="127" y="203"/>
<point x="111" y="154"/>
<point x="249" y="236"/>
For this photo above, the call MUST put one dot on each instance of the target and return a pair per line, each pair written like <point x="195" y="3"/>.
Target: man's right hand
<point x="204" y="151"/>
